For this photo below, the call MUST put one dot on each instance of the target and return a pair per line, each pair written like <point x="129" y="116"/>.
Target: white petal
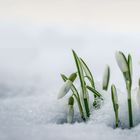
<point x="70" y="114"/>
<point x="122" y="63"/>
<point x="65" y="89"/>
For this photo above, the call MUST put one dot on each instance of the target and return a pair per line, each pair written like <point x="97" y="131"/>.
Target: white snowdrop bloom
<point x="65" y="89"/>
<point x="70" y="114"/>
<point x="138" y="97"/>
<point x="106" y="77"/>
<point x="67" y="86"/>
<point x="121" y="61"/>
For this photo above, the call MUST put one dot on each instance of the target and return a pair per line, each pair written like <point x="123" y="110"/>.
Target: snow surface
<point x="31" y="60"/>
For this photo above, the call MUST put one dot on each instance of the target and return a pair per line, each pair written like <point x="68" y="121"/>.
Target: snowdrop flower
<point x="67" y="86"/>
<point x="106" y="78"/>
<point x="126" y="67"/>
<point x="114" y="94"/>
<point x="122" y="62"/>
<point x="70" y="114"/>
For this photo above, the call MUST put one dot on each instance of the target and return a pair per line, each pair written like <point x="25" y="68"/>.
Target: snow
<point x="31" y="60"/>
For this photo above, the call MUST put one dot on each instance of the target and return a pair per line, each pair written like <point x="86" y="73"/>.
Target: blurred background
<point x="36" y="38"/>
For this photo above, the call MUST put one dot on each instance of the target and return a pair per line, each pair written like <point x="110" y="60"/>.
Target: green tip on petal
<point x="73" y="77"/>
<point x="71" y="101"/>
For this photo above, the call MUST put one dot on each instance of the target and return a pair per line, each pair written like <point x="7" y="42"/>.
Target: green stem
<point x="87" y="107"/>
<point x="95" y="101"/>
<point x="130" y="109"/>
<point x="80" y="107"/>
<point x="130" y="113"/>
<point x="95" y="97"/>
<point x="117" y="119"/>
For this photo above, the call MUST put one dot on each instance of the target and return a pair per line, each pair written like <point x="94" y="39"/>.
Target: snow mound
<point x="41" y="117"/>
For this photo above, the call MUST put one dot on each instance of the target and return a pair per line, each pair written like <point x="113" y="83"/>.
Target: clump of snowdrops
<point x="84" y="75"/>
<point x="87" y="84"/>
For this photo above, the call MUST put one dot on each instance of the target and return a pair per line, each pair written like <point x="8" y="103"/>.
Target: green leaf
<point x="94" y="91"/>
<point x="64" y="77"/>
<point x="87" y="72"/>
<point x="80" y="72"/>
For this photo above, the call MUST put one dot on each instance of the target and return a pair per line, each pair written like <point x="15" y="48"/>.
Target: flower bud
<point x="106" y="78"/>
<point x="114" y="94"/>
<point x="122" y="62"/>
<point x="70" y="114"/>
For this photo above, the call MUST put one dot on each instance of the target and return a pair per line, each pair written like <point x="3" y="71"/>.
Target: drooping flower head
<point x="122" y="61"/>
<point x="125" y="66"/>
<point x="67" y="86"/>
<point x="114" y="94"/>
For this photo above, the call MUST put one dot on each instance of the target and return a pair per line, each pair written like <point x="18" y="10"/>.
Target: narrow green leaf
<point x="94" y="91"/>
<point x="82" y="80"/>
<point x="87" y="72"/>
<point x="80" y="71"/>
